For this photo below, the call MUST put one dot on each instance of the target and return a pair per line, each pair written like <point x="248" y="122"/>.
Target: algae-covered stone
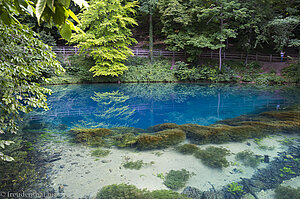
<point x="160" y="139"/>
<point x="124" y="140"/>
<point x="125" y="129"/>
<point x="161" y="127"/>
<point x="91" y="136"/>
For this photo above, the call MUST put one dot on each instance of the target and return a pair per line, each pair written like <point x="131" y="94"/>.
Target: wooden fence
<point x="69" y="50"/>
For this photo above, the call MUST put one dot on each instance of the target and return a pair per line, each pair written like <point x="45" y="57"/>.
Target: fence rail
<point x="69" y="50"/>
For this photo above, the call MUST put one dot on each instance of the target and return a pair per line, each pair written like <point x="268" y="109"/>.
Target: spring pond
<point x="72" y="172"/>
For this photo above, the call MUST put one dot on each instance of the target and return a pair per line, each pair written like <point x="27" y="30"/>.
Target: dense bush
<point x="292" y="73"/>
<point x="142" y="71"/>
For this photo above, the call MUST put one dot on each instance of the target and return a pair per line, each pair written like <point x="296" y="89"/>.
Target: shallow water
<point x="145" y="105"/>
<point x="77" y="174"/>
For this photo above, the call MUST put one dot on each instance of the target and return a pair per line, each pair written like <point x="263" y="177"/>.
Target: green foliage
<point x="107" y="35"/>
<point x="21" y="173"/>
<point x="248" y="158"/>
<point x="214" y="157"/>
<point x="235" y="188"/>
<point x="100" y="152"/>
<point x="282" y="192"/>
<point x="52" y="12"/>
<point x="141" y="71"/>
<point x="292" y="73"/>
<point x="187" y="148"/>
<point x="122" y="191"/>
<point x="268" y="79"/>
<point x="20" y="74"/>
<point x="176" y="179"/>
<point x="133" y="164"/>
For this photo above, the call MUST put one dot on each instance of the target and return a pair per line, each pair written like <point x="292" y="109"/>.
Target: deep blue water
<point x="145" y="105"/>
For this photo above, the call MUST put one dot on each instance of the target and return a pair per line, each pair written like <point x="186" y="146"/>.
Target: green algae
<point x="249" y="158"/>
<point x="176" y="179"/>
<point x="187" y="148"/>
<point x="214" y="157"/>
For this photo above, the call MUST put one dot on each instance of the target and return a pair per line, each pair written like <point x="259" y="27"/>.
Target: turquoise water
<point x="145" y="105"/>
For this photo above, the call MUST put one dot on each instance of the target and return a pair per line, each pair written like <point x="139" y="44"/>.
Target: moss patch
<point x="187" y="148"/>
<point x="92" y="137"/>
<point x="176" y="179"/>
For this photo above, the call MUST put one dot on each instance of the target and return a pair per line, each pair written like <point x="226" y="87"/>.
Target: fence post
<point x="256" y="58"/>
<point x="64" y="51"/>
<point x="137" y="52"/>
<point x="271" y="58"/>
<point x="75" y="50"/>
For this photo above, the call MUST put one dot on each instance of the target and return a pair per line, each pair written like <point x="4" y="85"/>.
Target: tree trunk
<point x="150" y="37"/>
<point x="220" y="57"/>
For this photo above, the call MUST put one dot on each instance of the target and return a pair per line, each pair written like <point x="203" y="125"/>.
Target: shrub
<point x="292" y="73"/>
<point x="176" y="179"/>
<point x="213" y="157"/>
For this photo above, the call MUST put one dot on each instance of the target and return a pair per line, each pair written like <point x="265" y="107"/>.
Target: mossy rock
<point x="217" y="133"/>
<point x="92" y="137"/>
<point x="125" y="130"/>
<point x="214" y="157"/>
<point x="122" y="191"/>
<point x="187" y="148"/>
<point x="161" y="139"/>
<point x="283" y="115"/>
<point x="161" y="127"/>
<point x="124" y="140"/>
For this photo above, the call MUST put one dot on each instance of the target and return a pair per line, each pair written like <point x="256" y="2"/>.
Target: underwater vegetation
<point x="93" y="137"/>
<point x="249" y="158"/>
<point x="125" y="191"/>
<point x="176" y="179"/>
<point x="161" y="139"/>
<point x="214" y="157"/>
<point x="122" y="191"/>
<point x="100" y="152"/>
<point x="235" y="188"/>
<point x="163" y="126"/>
<point x="288" y="192"/>
<point x="133" y="164"/>
<point x="168" y="134"/>
<point x="187" y="148"/>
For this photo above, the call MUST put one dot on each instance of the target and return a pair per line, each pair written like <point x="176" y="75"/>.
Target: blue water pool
<point x="145" y="105"/>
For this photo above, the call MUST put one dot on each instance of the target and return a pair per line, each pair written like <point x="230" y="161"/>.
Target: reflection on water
<point x="144" y="105"/>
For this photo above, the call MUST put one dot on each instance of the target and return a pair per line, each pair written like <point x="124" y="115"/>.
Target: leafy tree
<point x="24" y="61"/>
<point x="148" y="7"/>
<point x="194" y="25"/>
<point x="108" y="35"/>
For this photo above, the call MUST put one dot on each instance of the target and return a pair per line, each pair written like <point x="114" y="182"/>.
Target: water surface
<point x="145" y="105"/>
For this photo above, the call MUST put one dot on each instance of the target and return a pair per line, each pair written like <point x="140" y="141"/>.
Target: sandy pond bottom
<point x="79" y="175"/>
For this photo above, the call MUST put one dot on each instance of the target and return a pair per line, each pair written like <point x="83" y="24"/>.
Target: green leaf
<point x="59" y="17"/>
<point x="40" y="6"/>
<point x="50" y="4"/>
<point x="73" y="16"/>
<point x="66" y="31"/>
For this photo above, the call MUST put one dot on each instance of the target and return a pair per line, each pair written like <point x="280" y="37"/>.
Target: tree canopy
<point x="107" y="35"/>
